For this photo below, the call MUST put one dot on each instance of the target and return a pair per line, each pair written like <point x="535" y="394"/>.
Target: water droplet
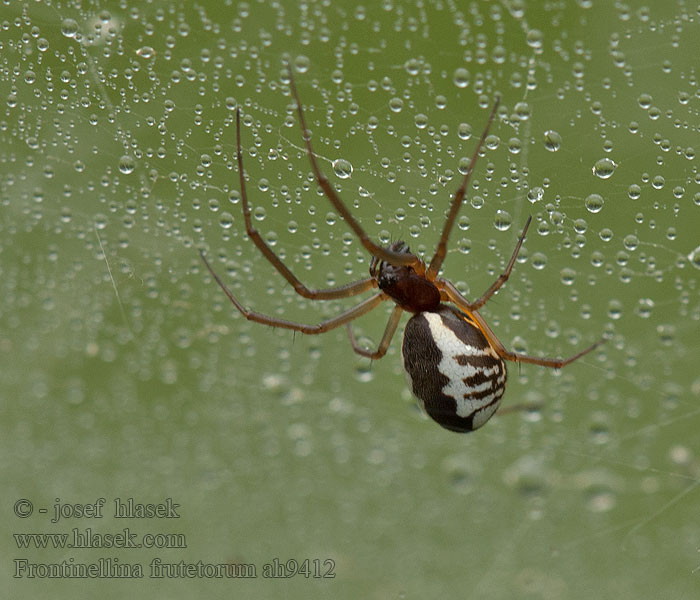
<point x="644" y="307"/>
<point x="477" y="202"/>
<point x="539" y="261"/>
<point x="396" y="105"/>
<point x="503" y="220"/>
<point x="514" y="145"/>
<point x="146" y="52"/>
<point x="599" y="428"/>
<point x="127" y="164"/>
<point x="615" y="309"/>
<point x="522" y="111"/>
<point x="100" y="221"/>
<point x="567" y="276"/>
<point x="66" y="214"/>
<point x="461" y="77"/>
<point x="535" y="195"/>
<point x="534" y="39"/>
<point x="271" y="237"/>
<point x="604" y="168"/>
<point x="464" y="245"/>
<point x="694" y="257"/>
<point x="580" y="226"/>
<point x="645" y="101"/>
<point x="421" y="121"/>
<point x="464" y="131"/>
<point x="342" y="168"/>
<point x="667" y="334"/>
<point x="412" y="66"/>
<point x="552" y="140"/>
<point x="69" y="28"/>
<point x="499" y="55"/>
<point x="226" y="220"/>
<point x="492" y="141"/>
<point x="594" y="203"/>
<point x="631" y="242"/>
<point x="301" y="64"/>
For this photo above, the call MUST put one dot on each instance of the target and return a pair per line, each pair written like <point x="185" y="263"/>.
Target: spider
<point x="454" y="362"/>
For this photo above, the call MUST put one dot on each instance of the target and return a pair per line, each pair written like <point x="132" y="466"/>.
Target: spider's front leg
<point x="342" y="291"/>
<point x="385" y="254"/>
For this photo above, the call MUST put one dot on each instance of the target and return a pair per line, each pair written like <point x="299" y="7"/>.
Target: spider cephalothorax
<point x="413" y="292"/>
<point x="454" y="362"/>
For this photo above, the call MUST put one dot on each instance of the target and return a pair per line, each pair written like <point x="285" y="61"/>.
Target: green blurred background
<point x="126" y="372"/>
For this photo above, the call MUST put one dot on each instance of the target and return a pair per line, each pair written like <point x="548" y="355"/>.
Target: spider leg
<point x="394" y="258"/>
<point x="342" y="291"/>
<point x="345" y="317"/>
<point x="391" y="326"/>
<point x="499" y="348"/>
<point x="502" y="278"/>
<point x="441" y="249"/>
<point x="449" y="293"/>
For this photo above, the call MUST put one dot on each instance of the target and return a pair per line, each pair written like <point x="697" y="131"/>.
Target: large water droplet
<point x="604" y="168"/>
<point x="69" y="28"/>
<point x="534" y="39"/>
<point x="127" y="164"/>
<point x="503" y="220"/>
<point x="535" y="194"/>
<point x="342" y="168"/>
<point x="301" y="63"/>
<point x="552" y="140"/>
<point x="594" y="203"/>
<point x="461" y="77"/>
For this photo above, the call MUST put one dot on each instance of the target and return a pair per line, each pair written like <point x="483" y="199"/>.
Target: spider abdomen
<point x="452" y="369"/>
